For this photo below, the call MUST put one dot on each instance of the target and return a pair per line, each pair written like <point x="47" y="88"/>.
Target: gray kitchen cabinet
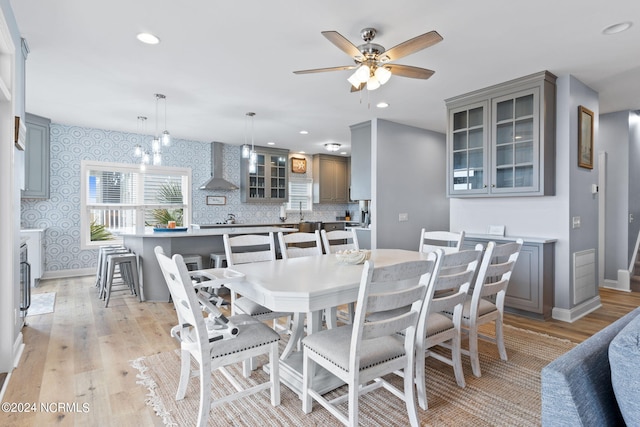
<point x="37" y="147"/>
<point x="330" y="179"/>
<point x="361" y="161"/>
<point x="501" y="140"/>
<point x="531" y="287"/>
<point x="269" y="182"/>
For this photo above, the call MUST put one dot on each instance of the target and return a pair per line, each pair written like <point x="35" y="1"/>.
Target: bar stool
<point x="127" y="265"/>
<point x="216" y="260"/>
<point x="101" y="251"/>
<point x="103" y="267"/>
<point x="193" y="262"/>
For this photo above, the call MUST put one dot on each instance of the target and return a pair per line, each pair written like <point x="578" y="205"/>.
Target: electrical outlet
<point x="575" y="222"/>
<point x="403" y="217"/>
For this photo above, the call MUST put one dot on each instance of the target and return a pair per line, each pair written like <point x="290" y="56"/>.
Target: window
<point x="120" y="198"/>
<point x="300" y="195"/>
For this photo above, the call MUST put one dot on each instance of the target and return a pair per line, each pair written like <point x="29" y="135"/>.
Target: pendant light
<point x="253" y="156"/>
<point x="246" y="148"/>
<point x="137" y="149"/>
<point x="166" y="137"/>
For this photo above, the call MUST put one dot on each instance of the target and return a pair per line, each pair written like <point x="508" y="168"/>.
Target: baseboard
<point x="4" y="386"/>
<point x="619" y="285"/>
<point x="18" y="348"/>
<point x="63" y="274"/>
<point x="624" y="281"/>
<point x="575" y="313"/>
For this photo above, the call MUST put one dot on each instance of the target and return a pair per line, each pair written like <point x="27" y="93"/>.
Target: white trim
<point x="576" y="312"/>
<point x="63" y="274"/>
<point x="623" y="283"/>
<point x="18" y="348"/>
<point x="139" y="207"/>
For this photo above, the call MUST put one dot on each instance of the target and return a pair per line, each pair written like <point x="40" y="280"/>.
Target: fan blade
<point x="409" y="71"/>
<point x="322" y="70"/>
<point x="410" y="46"/>
<point x="342" y="43"/>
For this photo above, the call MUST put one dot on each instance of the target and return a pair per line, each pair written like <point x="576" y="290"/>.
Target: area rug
<point x="42" y="303"/>
<point x="507" y="393"/>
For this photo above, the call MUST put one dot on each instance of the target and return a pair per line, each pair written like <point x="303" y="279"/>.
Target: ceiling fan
<point x="373" y="63"/>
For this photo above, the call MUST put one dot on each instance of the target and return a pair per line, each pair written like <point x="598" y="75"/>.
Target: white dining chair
<point x="362" y="353"/>
<point x="448" y="241"/>
<point x="486" y="303"/>
<point x="448" y="293"/>
<point x="246" y="248"/>
<point x="341" y="240"/>
<point x="208" y="348"/>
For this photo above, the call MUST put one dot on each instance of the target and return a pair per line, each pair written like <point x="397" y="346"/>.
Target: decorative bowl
<point x="353" y="256"/>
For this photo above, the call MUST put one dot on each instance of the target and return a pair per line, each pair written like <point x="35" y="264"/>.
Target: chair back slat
<point x="248" y="248"/>
<point x="448" y="241"/>
<point x="495" y="270"/>
<point x="330" y="240"/>
<point x="285" y="240"/>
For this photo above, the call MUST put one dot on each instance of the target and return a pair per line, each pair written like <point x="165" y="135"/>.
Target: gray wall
<point x="409" y="178"/>
<point x="614" y="140"/>
<point x="582" y="202"/>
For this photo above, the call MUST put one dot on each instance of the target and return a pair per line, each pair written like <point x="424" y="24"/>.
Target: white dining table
<point x="308" y="285"/>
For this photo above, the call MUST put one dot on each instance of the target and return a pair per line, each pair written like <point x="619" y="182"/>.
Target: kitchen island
<point x="201" y="242"/>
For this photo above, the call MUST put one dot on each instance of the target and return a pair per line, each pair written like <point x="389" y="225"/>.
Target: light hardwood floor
<point x="81" y="353"/>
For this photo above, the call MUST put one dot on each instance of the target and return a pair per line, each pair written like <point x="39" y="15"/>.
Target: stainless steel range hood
<point x="216" y="182"/>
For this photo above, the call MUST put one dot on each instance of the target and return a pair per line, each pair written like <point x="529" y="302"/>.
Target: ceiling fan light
<point x="382" y="74"/>
<point x="354" y="80"/>
<point x="363" y="73"/>
<point x="373" y="83"/>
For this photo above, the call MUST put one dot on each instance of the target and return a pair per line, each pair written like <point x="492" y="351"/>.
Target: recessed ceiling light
<point x="302" y="152"/>
<point x="382" y="105"/>
<point x="617" y="28"/>
<point x="304" y="132"/>
<point x="271" y="143"/>
<point x="344" y="153"/>
<point x="148" y="38"/>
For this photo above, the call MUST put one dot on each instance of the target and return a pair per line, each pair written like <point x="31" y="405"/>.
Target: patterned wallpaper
<point x="60" y="214"/>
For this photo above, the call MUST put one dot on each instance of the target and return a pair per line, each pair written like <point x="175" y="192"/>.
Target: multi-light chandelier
<point x="159" y="140"/>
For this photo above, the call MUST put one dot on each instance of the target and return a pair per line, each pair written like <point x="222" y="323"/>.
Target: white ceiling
<point x="218" y="60"/>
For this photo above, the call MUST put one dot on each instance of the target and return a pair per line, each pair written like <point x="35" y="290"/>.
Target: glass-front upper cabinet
<point x="468" y="155"/>
<point x="515" y="122"/>
<point x="501" y="140"/>
<point x="268" y="184"/>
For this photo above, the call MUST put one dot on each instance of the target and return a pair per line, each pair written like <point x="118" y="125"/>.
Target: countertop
<point x="217" y="231"/>
<point x="510" y="238"/>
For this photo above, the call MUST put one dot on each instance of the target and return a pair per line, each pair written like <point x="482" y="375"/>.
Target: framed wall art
<point x="298" y="165"/>
<point x="585" y="138"/>
<point x="216" y="200"/>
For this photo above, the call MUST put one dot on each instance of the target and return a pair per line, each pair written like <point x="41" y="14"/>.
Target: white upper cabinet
<point x="501" y="140"/>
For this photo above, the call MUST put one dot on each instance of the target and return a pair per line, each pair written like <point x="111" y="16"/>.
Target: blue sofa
<point x="577" y="388"/>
